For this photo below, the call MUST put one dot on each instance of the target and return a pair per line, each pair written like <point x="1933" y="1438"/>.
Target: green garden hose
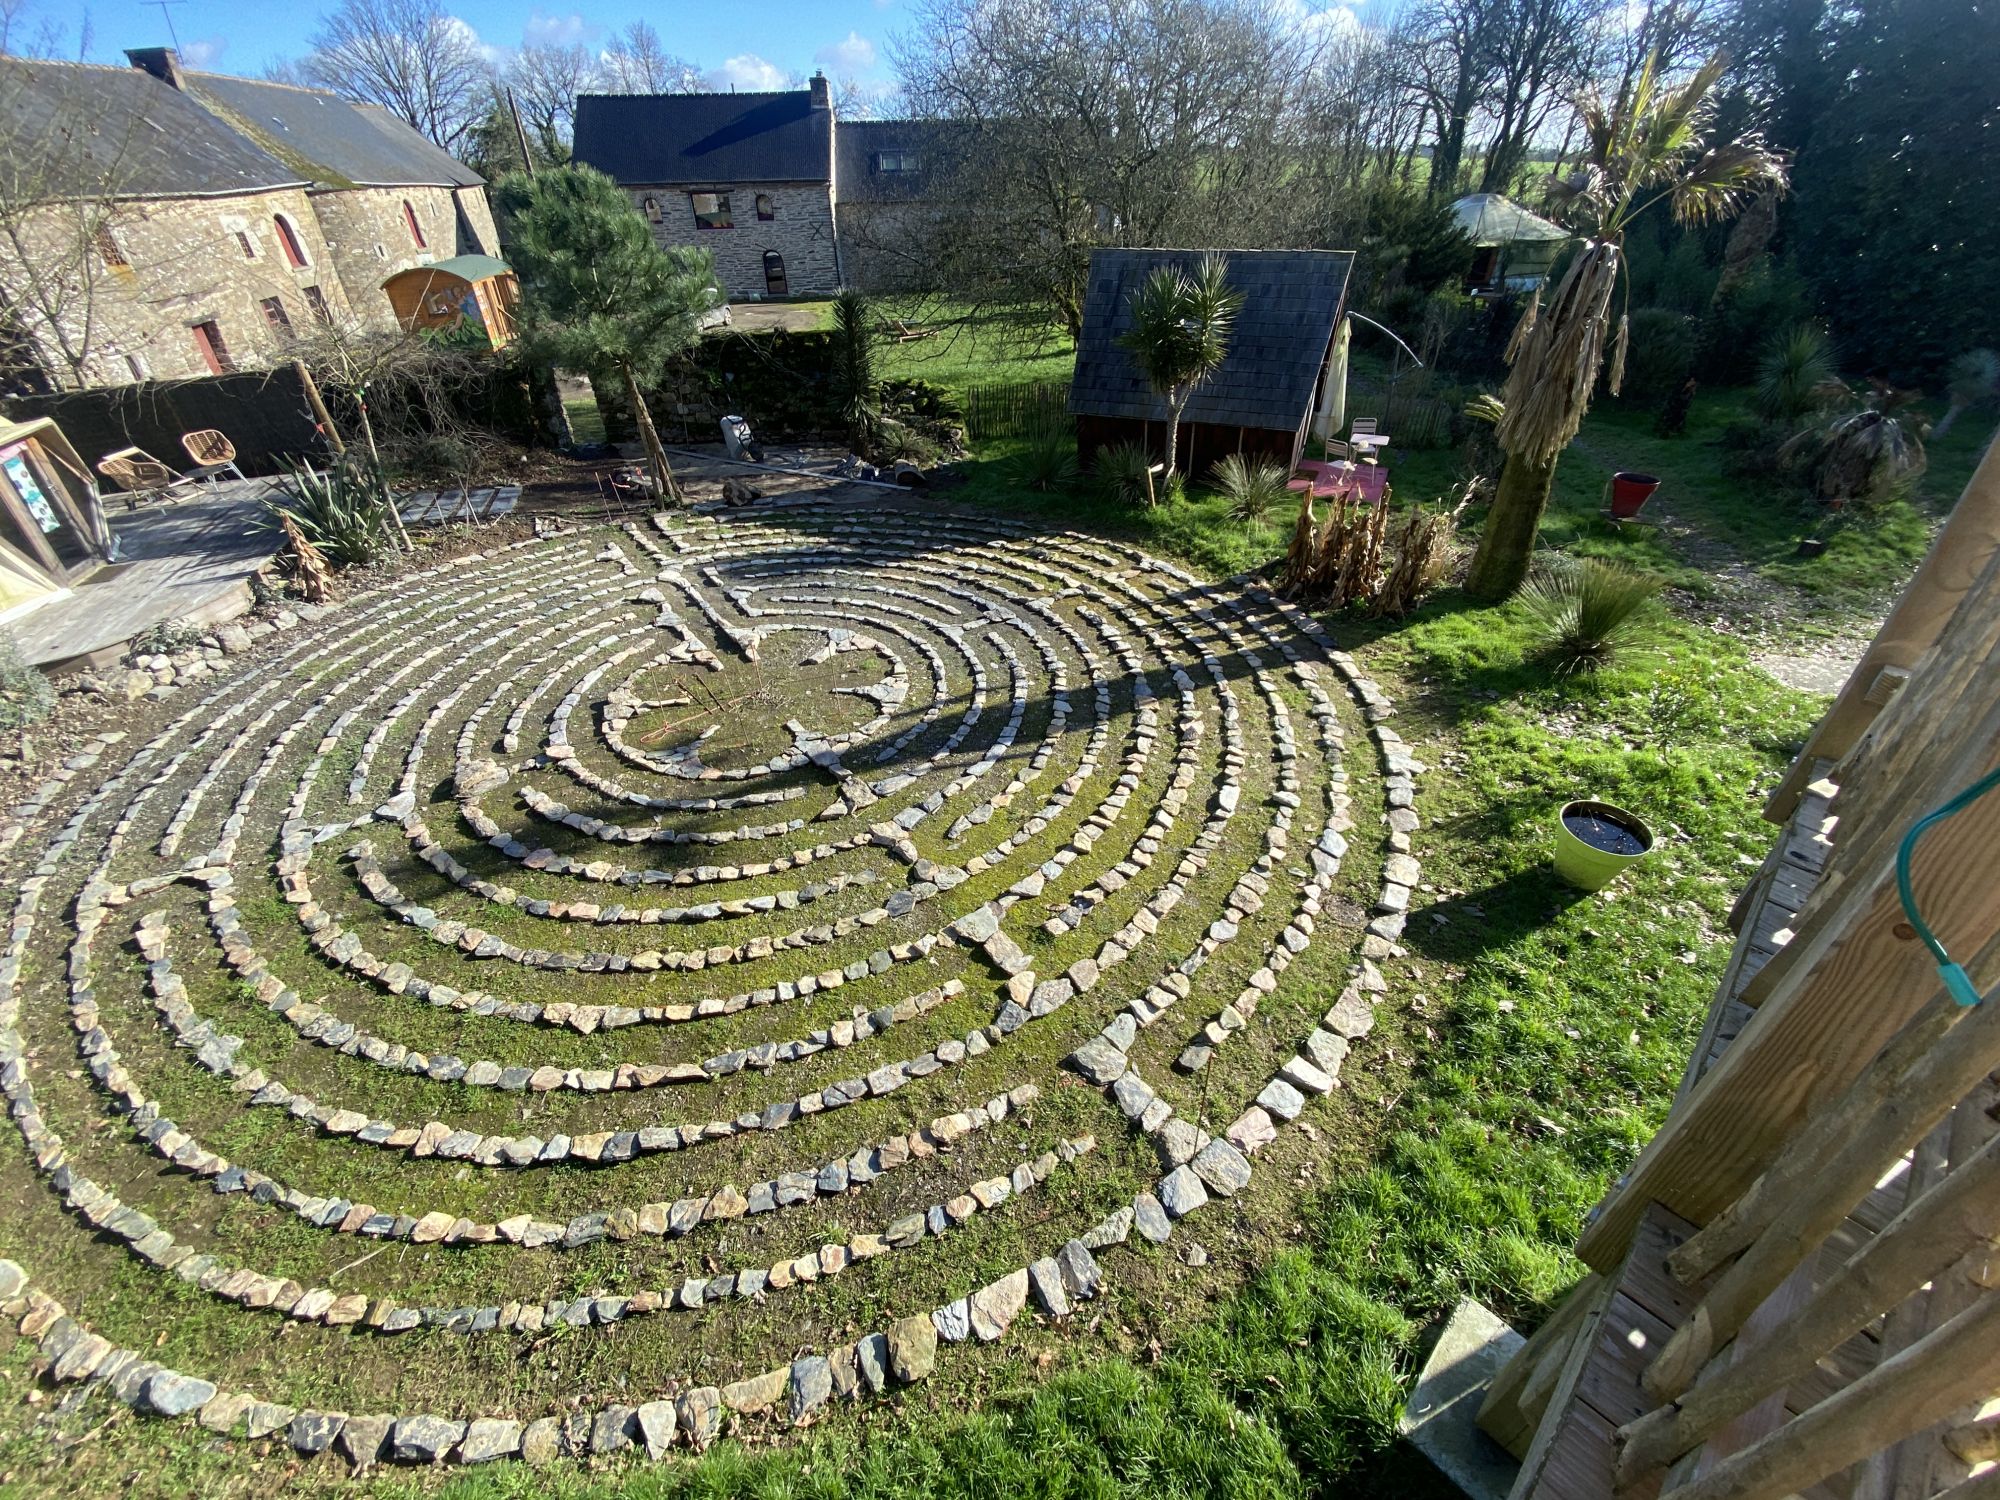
<point x="1956" y="981"/>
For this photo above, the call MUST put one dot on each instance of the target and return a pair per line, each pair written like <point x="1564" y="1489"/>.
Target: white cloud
<point x="747" y="71"/>
<point x="543" y="30"/>
<point x="204" y="52"/>
<point x="847" y="58"/>
<point x="1315" y="16"/>
<point x="461" y="30"/>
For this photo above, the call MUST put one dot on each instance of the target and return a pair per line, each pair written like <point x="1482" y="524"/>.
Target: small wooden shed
<point x="1260" y="402"/>
<point x="475" y="290"/>
<point x="52" y="528"/>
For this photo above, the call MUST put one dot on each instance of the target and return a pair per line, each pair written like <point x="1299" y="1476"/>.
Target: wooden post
<point x="1967" y="540"/>
<point x="1922" y="1097"/>
<point x="521" y="135"/>
<point x="1927" y="1380"/>
<point x="1929" y="1237"/>
<point x="321" y="415"/>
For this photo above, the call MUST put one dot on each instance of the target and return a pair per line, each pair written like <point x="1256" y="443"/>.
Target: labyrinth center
<point x="704" y="970"/>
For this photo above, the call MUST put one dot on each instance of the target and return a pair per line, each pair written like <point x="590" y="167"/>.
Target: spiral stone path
<point x="694" y="971"/>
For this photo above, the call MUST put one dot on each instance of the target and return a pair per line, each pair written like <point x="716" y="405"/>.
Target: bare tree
<point x="25" y="33"/>
<point x="408" y="56"/>
<point x="546" y="81"/>
<point x="1541" y="53"/>
<point x="637" y="62"/>
<point x="1079" y="123"/>
<point x="1452" y="69"/>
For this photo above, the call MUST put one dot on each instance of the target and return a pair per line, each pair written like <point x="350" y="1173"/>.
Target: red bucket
<point x="1629" y="492"/>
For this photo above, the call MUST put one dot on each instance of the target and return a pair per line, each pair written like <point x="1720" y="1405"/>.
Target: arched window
<point x="775" y="284"/>
<point x="416" y="229"/>
<point x="288" y="241"/>
<point x="766" y="209"/>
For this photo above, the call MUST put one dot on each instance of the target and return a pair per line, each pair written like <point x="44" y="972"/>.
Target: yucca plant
<point x="1124" y="470"/>
<point x="1252" y="488"/>
<point x="1589" y="613"/>
<point x="1047" y="461"/>
<point x="345" y="511"/>
<point x="1793" y="373"/>
<point x="1862" y="457"/>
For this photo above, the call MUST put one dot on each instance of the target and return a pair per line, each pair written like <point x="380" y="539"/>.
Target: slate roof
<point x="334" y="142"/>
<point x="939" y="145"/>
<point x="705" y="138"/>
<point x="1291" y="301"/>
<point x="123" y="133"/>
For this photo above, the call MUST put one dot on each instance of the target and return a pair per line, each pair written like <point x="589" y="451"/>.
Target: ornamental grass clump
<point x="1590" y="613"/>
<point x="1252" y="489"/>
<point x="1047" y="460"/>
<point x="1125" y="473"/>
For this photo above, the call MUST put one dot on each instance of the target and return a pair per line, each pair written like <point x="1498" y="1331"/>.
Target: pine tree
<point x="598" y="294"/>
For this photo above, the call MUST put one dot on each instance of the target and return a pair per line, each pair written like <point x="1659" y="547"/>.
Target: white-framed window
<point x="651" y="208"/>
<point x="291" y="242"/>
<point x="897" y="161"/>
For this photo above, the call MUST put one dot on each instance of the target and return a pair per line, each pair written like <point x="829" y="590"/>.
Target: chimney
<point x="822" y="92"/>
<point x="161" y="62"/>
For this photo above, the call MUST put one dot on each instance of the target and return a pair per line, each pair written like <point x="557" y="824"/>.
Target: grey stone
<point x="700" y="1415"/>
<point x="1098" y="1061"/>
<point x="314" y="1431"/>
<point x="611" y="1429"/>
<point x="811" y="1386"/>
<point x="1046" y="1278"/>
<point x="871" y="1356"/>
<point x="657" y="1426"/>
<point x="488" y="1438"/>
<point x="1081" y="1275"/>
<point x="1150" y="1219"/>
<point x="997" y="1304"/>
<point x="172" y="1394"/>
<point x="424" y="1439"/>
<point x="362" y="1440"/>
<point x="1222" y="1167"/>
<point x="1181" y="1192"/>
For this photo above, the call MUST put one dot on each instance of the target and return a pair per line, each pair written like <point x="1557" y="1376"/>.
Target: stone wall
<point x="371" y="239"/>
<point x="187" y="261"/>
<point x="885" y="247"/>
<point x="800" y="230"/>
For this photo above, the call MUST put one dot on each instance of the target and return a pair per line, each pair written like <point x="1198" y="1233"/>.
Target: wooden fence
<point x="265" y="413"/>
<point x="1014" y="408"/>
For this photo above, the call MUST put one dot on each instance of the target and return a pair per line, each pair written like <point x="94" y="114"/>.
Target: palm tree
<point x="1650" y="145"/>
<point x="1180" y="333"/>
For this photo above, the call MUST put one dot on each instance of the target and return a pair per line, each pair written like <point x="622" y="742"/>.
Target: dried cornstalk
<point x="309" y="568"/>
<point x="1423" y="556"/>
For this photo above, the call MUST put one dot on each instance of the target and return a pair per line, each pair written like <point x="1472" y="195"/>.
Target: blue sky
<point x="750" y="45"/>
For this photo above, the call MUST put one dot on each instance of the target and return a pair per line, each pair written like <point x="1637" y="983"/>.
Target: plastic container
<point x="1596" y="841"/>
<point x="1629" y="491"/>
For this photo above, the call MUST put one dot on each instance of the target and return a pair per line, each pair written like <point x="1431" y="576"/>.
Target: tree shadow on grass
<point x="1495" y="916"/>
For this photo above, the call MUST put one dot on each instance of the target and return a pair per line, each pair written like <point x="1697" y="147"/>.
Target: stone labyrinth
<point x="628" y="981"/>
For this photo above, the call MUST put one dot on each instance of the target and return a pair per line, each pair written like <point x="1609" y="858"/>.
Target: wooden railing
<point x="1795" y="1290"/>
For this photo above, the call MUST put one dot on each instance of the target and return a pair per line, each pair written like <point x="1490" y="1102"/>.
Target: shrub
<point x="343" y="511"/>
<point x="1749" y="315"/>
<point x="1662" y="353"/>
<point x="1047" y="461"/>
<point x="1124" y="471"/>
<point x="1589" y="612"/>
<point x="1793" y="373"/>
<point x="1252" y="488"/>
<point x="26" y="696"/>
<point x="1862" y="457"/>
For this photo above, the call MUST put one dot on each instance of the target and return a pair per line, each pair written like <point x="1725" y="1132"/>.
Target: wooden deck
<point x="185" y="560"/>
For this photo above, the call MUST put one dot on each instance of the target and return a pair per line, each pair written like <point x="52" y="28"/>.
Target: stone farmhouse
<point x="790" y="201"/>
<point x="160" y="223"/>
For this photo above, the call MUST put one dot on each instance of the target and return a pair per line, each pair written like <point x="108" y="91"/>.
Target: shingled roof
<point x="333" y="141"/>
<point x="705" y="138"/>
<point x="76" y="130"/>
<point x="1291" y="301"/>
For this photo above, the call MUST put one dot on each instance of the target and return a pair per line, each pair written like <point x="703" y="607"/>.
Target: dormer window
<point x="897" y="161"/>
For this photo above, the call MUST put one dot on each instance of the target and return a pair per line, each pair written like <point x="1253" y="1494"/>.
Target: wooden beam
<point x="1925" y="1094"/>
<point x="1925" y="1240"/>
<point x="1965" y="543"/>
<point x="1932" y="1377"/>
<point x="1505" y="1414"/>
<point x="1852" y="979"/>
